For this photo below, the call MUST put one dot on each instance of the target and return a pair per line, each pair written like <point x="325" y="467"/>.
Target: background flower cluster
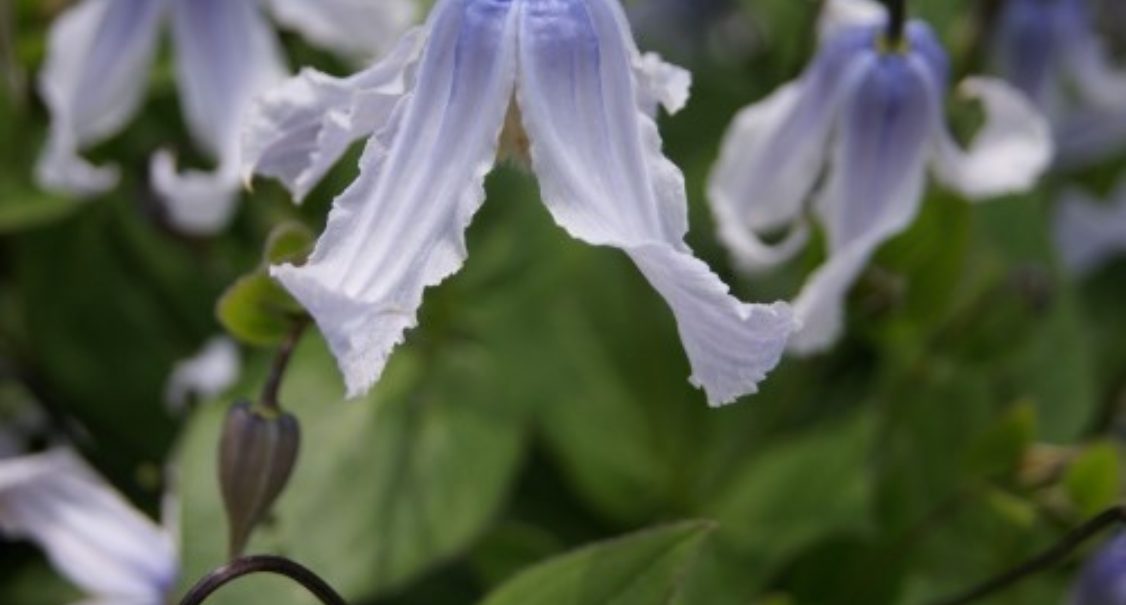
<point x="972" y="411"/>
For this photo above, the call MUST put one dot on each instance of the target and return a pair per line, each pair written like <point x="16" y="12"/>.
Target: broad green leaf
<point x="804" y="488"/>
<point x="385" y="487"/>
<point x="23" y="208"/>
<point x="257" y="310"/>
<point x="1000" y="449"/>
<point x="289" y="242"/>
<point x="929" y="422"/>
<point x="104" y="308"/>
<point x="1093" y="481"/>
<point x="646" y="568"/>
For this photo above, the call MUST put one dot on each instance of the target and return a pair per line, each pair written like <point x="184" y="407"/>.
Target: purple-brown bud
<point x="257" y="454"/>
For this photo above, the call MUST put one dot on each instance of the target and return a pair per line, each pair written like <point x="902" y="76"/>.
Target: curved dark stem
<point x="897" y="20"/>
<point x="257" y="564"/>
<point x="269" y="397"/>
<point x="1044" y="560"/>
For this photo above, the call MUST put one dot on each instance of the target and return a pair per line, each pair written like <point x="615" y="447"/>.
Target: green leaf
<point x="646" y="568"/>
<point x="801" y="490"/>
<point x="257" y="310"/>
<point x="929" y="423"/>
<point x="289" y="242"/>
<point x="1093" y="480"/>
<point x="1000" y="449"/>
<point x="24" y="208"/>
<point x="385" y="487"/>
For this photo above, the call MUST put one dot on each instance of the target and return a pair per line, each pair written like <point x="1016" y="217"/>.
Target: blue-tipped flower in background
<point x="1102" y="580"/>
<point x="89" y="532"/>
<point x="1088" y="232"/>
<point x="1050" y="50"/>
<point x="563" y="82"/>
<point x="99" y="53"/>
<point x="869" y="112"/>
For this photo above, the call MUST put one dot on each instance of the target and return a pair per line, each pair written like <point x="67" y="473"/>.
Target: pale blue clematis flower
<point x="89" y="532"/>
<point x="208" y="373"/>
<point x="99" y="53"/>
<point x="872" y="112"/>
<point x="1050" y="50"/>
<point x="565" y="82"/>
<point x="1102" y="581"/>
<point x="1089" y="233"/>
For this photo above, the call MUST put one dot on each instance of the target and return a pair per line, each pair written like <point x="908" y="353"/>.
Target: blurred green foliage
<point x="972" y="414"/>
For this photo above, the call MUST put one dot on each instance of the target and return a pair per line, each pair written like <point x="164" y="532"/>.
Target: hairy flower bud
<point x="256" y="458"/>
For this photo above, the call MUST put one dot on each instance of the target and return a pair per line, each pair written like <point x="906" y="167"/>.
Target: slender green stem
<point x="1057" y="553"/>
<point x="258" y="564"/>
<point x="269" y="397"/>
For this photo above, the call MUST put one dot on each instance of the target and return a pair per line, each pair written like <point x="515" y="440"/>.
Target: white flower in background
<point x="565" y="81"/>
<point x="208" y="373"/>
<point x="1088" y="232"/>
<point x="89" y="532"/>
<point x="1051" y="51"/>
<point x="869" y="114"/>
<point x="99" y="55"/>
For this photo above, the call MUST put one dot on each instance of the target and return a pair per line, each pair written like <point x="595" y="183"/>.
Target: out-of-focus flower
<point x="99" y="53"/>
<point x="1051" y="51"/>
<point x="567" y="84"/>
<point x="88" y="531"/>
<point x="1088" y="232"/>
<point x="206" y="374"/>
<point x="872" y="111"/>
<point x="1102" y="580"/>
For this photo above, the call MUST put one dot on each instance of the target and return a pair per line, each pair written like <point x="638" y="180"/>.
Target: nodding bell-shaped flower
<point x="869" y="113"/>
<point x="1088" y="232"/>
<point x="568" y="86"/>
<point x="99" y="53"/>
<point x="1102" y="580"/>
<point x="89" y="532"/>
<point x="1050" y="50"/>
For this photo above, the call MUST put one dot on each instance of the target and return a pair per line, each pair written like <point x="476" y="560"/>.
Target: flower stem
<point x="897" y="20"/>
<point x="269" y="397"/>
<point x="1058" y="552"/>
<point x="257" y="564"/>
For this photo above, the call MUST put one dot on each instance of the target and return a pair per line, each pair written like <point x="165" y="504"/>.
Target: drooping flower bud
<point x="256" y="458"/>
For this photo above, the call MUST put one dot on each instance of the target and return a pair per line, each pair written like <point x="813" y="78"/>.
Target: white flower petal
<point x="1008" y="155"/>
<point x="360" y="27"/>
<point x="400" y="227"/>
<point x="839" y="15"/>
<point x="1098" y="80"/>
<point x="206" y="374"/>
<point x="87" y="530"/>
<point x="195" y="202"/>
<point x="98" y="56"/>
<point x="773" y="154"/>
<point x="226" y="55"/>
<point x="297" y="131"/>
<point x="597" y="154"/>
<point x="663" y="83"/>
<point x="1089" y="233"/>
<point x="874" y="191"/>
